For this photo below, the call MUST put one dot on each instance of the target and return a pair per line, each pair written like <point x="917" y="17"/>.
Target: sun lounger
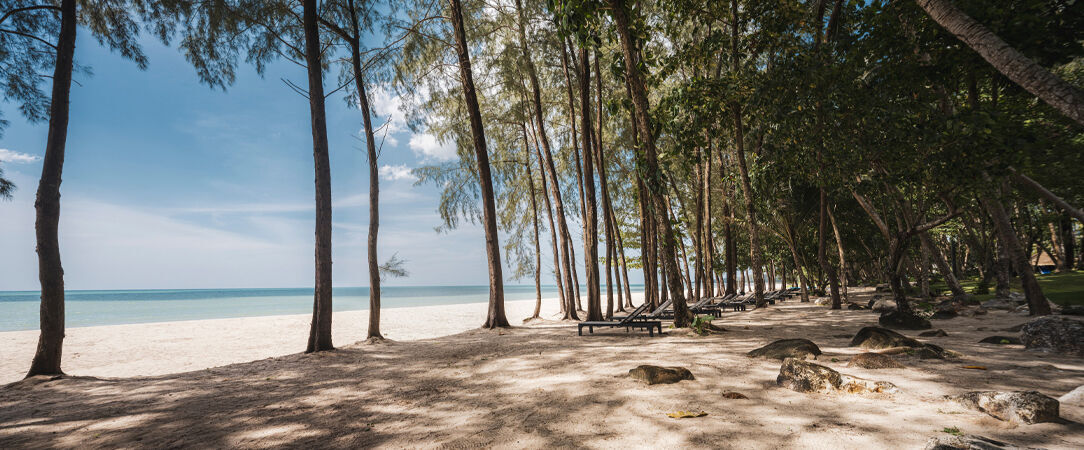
<point x="634" y="320"/>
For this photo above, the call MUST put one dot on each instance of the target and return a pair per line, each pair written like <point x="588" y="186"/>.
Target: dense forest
<point x="716" y="146"/>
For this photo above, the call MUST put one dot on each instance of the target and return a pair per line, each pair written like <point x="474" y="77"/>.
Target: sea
<point x="19" y="309"/>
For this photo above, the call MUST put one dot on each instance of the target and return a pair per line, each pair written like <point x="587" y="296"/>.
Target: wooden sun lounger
<point x="628" y="323"/>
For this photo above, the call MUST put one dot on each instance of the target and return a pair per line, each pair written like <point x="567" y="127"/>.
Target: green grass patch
<point x="1061" y="288"/>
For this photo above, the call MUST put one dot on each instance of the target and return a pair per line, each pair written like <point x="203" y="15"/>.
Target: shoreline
<point x="160" y="348"/>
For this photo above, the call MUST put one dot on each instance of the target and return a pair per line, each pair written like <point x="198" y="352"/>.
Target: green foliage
<point x="701" y="323"/>
<point x="951" y="430"/>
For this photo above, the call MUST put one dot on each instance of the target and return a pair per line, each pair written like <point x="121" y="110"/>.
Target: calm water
<point x="19" y="310"/>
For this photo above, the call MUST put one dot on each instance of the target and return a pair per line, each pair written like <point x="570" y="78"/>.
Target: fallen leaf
<point x="686" y="414"/>
<point x="975" y="367"/>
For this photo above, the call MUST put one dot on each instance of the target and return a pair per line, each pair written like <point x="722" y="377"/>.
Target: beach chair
<point x="700" y="307"/>
<point x="634" y="320"/>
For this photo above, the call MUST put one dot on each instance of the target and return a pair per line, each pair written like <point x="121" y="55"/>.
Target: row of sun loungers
<point x="651" y="321"/>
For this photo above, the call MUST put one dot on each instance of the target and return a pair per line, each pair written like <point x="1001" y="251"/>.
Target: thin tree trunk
<point x="49" y="352"/>
<point x="320" y="331"/>
<point x="747" y="188"/>
<point x="1022" y="70"/>
<point x="608" y="226"/>
<point x="1045" y="193"/>
<point x="942" y="265"/>
<point x="495" y="316"/>
<point x="842" y="257"/>
<point x="731" y="250"/>
<point x="822" y="251"/>
<point x="1037" y="303"/>
<point x="534" y="221"/>
<point x="353" y="40"/>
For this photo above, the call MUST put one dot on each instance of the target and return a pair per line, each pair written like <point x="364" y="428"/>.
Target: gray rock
<point x="1055" y="334"/>
<point x="972" y="312"/>
<point x="1001" y="340"/>
<point x="1018" y="407"/>
<point x="787" y="348"/>
<point x="803" y="376"/>
<point x="968" y="442"/>
<point x="933" y="333"/>
<point x="881" y="304"/>
<point x="904" y="321"/>
<point x="874" y="361"/>
<point x="879" y="338"/>
<point x="660" y="375"/>
<point x="1074" y="397"/>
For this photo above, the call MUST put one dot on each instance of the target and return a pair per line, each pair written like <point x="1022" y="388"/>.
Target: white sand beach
<point x="169" y="347"/>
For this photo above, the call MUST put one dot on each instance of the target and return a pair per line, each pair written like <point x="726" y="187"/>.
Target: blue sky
<point x="169" y="184"/>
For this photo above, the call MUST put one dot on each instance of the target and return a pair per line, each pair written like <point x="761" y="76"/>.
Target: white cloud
<point x="429" y="147"/>
<point x="388" y="108"/>
<point x="397" y="172"/>
<point x="11" y="156"/>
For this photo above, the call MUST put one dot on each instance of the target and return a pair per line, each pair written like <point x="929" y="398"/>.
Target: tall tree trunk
<point x="822" y="251"/>
<point x="567" y="48"/>
<point x="590" y="213"/>
<point x="746" y="184"/>
<point x="354" y="41"/>
<point x="47" y="204"/>
<point x="320" y="331"/>
<point x="730" y="249"/>
<point x="1019" y="68"/>
<point x="621" y="255"/>
<point x="495" y="316"/>
<point x="797" y="263"/>
<point x="707" y="240"/>
<point x="607" y="222"/>
<point x="570" y="291"/>
<point x="682" y="318"/>
<point x="1065" y="227"/>
<point x="1037" y="303"/>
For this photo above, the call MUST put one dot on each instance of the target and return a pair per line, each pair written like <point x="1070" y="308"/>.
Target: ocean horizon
<point x="86" y="308"/>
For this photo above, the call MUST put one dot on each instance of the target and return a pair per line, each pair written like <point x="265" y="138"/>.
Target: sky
<point x="169" y="184"/>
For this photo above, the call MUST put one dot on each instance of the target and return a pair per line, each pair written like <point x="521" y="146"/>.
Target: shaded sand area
<point x="543" y="386"/>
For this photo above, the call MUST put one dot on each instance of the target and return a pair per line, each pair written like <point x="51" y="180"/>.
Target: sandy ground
<point x="171" y="347"/>
<point x="535" y="386"/>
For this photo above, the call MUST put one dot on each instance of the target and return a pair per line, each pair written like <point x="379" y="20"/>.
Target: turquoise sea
<point x="19" y="309"/>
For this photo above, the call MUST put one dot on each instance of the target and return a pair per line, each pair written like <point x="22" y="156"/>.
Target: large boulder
<point x="879" y="338"/>
<point x="967" y="442"/>
<point x="874" y="361"/>
<point x="804" y="376"/>
<point x="933" y="333"/>
<point x="787" y="348"/>
<point x="1018" y="407"/>
<point x="904" y="321"/>
<point x="1055" y="334"/>
<point x="660" y="375"/>
<point x="881" y="305"/>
